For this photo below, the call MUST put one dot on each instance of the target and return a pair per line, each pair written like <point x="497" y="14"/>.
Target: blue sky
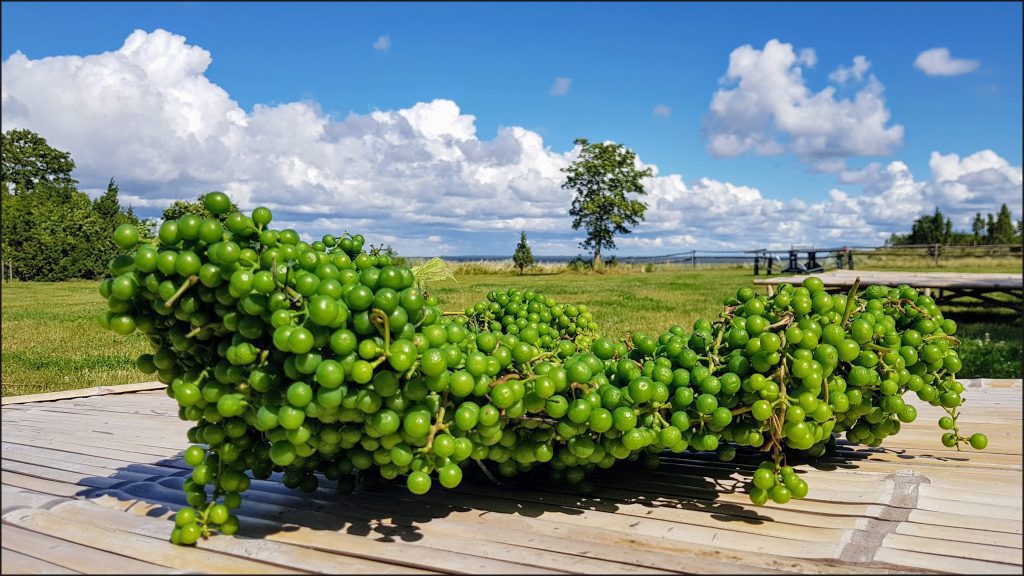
<point x="499" y="63"/>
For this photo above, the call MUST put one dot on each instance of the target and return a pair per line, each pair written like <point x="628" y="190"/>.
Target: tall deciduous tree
<point x="603" y="178"/>
<point x="523" y="257"/>
<point x="28" y="160"/>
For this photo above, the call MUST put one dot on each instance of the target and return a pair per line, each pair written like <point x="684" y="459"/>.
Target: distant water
<point x="716" y="259"/>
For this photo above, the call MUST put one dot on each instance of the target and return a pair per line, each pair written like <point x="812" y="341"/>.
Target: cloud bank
<point x="421" y="179"/>
<point x="766" y="107"/>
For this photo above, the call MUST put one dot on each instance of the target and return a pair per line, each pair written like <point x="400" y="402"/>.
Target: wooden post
<point x="937" y="246"/>
<point x="693" y="259"/>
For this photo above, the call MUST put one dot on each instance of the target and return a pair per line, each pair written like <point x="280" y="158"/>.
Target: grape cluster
<point x="323" y="358"/>
<point x="536" y="319"/>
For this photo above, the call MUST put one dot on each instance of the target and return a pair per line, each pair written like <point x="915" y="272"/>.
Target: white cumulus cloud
<point x="766" y="107"/>
<point x="419" y="177"/>
<point x="856" y="71"/>
<point x="938" y="62"/>
<point x="382" y="44"/>
<point x="561" y="86"/>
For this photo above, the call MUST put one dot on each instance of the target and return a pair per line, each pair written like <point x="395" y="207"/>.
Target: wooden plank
<point x="12" y="562"/>
<point x="84" y="462"/>
<point x="41" y="485"/>
<point x="913" y="560"/>
<point x="134" y="546"/>
<point x="303" y="510"/>
<point x="960" y="533"/>
<point x="327" y="537"/>
<point x="146" y="520"/>
<point x="78" y="443"/>
<point x="82" y="392"/>
<point x="987" y="553"/>
<point x="966" y="522"/>
<point x="331" y="516"/>
<point x="104" y="459"/>
<point x="74" y="557"/>
<point x="14" y="497"/>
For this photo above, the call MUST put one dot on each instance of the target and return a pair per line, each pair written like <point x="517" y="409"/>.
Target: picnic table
<point x="944" y="287"/>
<point x="91" y="478"/>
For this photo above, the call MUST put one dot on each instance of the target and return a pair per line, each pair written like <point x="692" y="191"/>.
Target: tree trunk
<point x="597" y="259"/>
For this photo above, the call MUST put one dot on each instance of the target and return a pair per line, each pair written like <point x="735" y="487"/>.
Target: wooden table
<point x="945" y="287"/>
<point x="90" y="484"/>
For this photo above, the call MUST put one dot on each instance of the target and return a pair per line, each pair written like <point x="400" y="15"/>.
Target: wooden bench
<point x="944" y="287"/>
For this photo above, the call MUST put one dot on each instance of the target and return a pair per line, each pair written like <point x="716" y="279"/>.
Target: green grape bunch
<point x="320" y="359"/>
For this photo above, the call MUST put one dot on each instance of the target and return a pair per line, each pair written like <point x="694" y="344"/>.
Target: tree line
<point x="936" y="228"/>
<point x="50" y="230"/>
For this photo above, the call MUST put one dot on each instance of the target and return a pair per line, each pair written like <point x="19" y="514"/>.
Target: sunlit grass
<point x="52" y="339"/>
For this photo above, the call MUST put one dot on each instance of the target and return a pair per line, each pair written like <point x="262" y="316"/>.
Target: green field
<point x="52" y="341"/>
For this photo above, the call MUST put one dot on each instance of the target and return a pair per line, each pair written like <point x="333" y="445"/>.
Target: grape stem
<point x="189" y="282"/>
<point x="487" y="473"/>
<point x="198" y="329"/>
<point x="550" y="421"/>
<point x="438" y="425"/>
<point x="380" y="320"/>
<point x="915" y="307"/>
<point x="505" y="378"/>
<point x="786" y="320"/>
<point x="851" y="301"/>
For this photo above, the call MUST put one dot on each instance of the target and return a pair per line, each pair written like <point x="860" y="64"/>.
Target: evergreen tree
<point x="933" y="229"/>
<point x="978" y="227"/>
<point x="523" y="256"/>
<point x="1002" y="229"/>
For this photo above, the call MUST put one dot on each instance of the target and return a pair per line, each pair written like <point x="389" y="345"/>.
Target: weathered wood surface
<point x="90" y="485"/>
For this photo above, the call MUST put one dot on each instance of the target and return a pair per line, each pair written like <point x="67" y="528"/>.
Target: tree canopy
<point x="50" y="230"/>
<point x="27" y="161"/>
<point x="603" y="178"/>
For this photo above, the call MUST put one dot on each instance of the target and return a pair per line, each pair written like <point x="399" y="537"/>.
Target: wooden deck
<point x="90" y="483"/>
<point x="944" y="287"/>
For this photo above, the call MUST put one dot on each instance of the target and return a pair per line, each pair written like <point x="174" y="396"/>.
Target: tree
<point x="1002" y="228"/>
<point x="28" y="160"/>
<point x="978" y="227"/>
<point x="523" y="257"/>
<point x="602" y="179"/>
<point x="50" y="230"/>
<point x="933" y="229"/>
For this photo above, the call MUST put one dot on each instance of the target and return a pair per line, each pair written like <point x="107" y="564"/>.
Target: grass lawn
<point x="52" y="340"/>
